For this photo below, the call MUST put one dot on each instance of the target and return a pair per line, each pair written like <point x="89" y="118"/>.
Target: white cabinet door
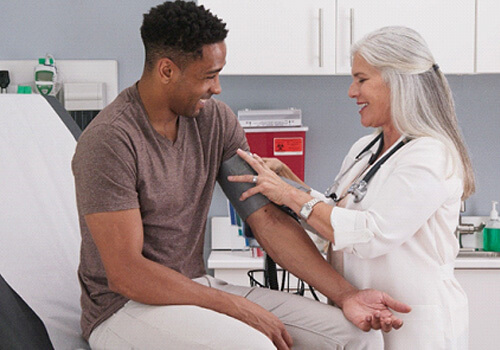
<point x="446" y="25"/>
<point x="488" y="36"/>
<point x="482" y="287"/>
<point x="284" y="37"/>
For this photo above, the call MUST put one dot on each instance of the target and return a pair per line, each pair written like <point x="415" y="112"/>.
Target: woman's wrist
<point x="296" y="199"/>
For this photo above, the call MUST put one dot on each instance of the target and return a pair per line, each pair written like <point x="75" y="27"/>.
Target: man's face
<point x="198" y="81"/>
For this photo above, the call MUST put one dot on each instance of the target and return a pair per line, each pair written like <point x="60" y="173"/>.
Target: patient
<point x="145" y="170"/>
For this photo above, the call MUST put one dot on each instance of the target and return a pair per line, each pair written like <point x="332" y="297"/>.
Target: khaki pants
<point x="312" y="325"/>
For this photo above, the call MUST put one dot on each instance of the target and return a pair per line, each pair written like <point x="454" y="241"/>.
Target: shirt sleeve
<point x="234" y="135"/>
<point x="421" y="180"/>
<point x="105" y="172"/>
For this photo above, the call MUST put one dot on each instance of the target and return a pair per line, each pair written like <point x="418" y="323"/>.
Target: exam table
<point x="39" y="231"/>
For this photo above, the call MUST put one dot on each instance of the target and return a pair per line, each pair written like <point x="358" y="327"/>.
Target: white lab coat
<point x="400" y="239"/>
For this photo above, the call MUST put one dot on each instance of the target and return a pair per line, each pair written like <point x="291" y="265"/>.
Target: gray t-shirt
<point x="121" y="163"/>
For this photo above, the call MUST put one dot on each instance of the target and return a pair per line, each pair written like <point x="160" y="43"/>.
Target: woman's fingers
<point x="274" y="164"/>
<point x="246" y="178"/>
<point x="249" y="193"/>
<point x="247" y="156"/>
<point x="254" y="160"/>
<point x="242" y="178"/>
<point x="258" y="159"/>
<point x="266" y="181"/>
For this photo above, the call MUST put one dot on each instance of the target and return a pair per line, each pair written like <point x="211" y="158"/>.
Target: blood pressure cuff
<point x="233" y="190"/>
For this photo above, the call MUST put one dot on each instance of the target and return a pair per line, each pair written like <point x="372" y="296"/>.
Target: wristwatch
<point x="307" y="208"/>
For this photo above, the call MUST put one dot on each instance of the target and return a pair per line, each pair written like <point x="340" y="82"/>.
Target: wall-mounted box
<point x="84" y="96"/>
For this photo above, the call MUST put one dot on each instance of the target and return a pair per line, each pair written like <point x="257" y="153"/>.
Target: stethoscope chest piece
<point x="358" y="190"/>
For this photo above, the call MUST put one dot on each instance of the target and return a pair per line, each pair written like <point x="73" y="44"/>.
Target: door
<point x="488" y="36"/>
<point x="277" y="37"/>
<point x="446" y="25"/>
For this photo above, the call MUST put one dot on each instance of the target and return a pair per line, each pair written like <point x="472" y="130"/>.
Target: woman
<point x="394" y="206"/>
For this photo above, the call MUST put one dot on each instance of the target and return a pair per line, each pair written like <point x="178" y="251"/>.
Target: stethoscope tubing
<point x="359" y="188"/>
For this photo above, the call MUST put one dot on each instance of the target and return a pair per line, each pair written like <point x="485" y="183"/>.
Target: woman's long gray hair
<point x="421" y="99"/>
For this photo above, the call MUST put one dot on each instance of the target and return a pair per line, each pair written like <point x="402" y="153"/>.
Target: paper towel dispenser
<point x="84" y="96"/>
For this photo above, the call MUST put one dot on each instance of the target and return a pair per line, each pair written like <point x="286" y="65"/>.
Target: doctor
<point x="394" y="206"/>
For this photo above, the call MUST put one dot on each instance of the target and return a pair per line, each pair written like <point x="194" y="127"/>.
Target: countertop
<point x="227" y="259"/>
<point x="234" y="259"/>
<point x="477" y="263"/>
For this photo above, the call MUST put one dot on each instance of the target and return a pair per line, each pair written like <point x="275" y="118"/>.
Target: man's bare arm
<point x="289" y="245"/>
<point x="119" y="239"/>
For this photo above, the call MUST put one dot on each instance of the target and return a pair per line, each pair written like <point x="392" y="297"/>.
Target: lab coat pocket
<point x="423" y="328"/>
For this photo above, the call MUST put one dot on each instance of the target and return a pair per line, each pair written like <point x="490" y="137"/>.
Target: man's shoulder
<point x="125" y="103"/>
<point x="119" y="114"/>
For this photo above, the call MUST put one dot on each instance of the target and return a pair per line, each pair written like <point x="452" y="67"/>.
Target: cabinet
<point x="446" y="25"/>
<point x="277" y="37"/>
<point x="286" y="37"/>
<point x="482" y="286"/>
<point x="488" y="36"/>
<point x="479" y="277"/>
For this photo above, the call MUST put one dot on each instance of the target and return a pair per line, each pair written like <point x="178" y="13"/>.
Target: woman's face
<point x="371" y="93"/>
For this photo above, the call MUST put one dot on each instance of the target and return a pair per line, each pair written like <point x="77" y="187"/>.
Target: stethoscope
<point x="359" y="187"/>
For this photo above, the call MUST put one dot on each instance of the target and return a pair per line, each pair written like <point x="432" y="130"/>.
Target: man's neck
<point x="163" y="120"/>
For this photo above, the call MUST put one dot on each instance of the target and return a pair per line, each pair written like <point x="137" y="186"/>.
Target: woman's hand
<point x="274" y="164"/>
<point x="266" y="181"/>
<point x="282" y="170"/>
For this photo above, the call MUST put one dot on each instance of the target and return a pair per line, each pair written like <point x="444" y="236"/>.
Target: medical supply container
<point x="491" y="232"/>
<point x="288" y="144"/>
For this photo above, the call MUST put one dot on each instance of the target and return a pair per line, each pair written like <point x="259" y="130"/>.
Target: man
<point x="145" y="170"/>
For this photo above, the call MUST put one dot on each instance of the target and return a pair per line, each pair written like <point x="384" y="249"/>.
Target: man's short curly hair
<point x="179" y="30"/>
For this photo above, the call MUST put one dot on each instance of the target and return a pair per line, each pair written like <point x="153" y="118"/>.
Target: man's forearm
<point x="156" y="284"/>
<point x="289" y="245"/>
<point x="119" y="238"/>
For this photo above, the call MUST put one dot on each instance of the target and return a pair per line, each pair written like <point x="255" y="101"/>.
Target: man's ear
<point x="165" y="68"/>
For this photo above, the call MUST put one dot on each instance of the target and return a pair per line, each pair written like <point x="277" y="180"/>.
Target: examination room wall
<point x="109" y="29"/>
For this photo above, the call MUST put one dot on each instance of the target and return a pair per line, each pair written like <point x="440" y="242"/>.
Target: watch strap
<point x="307" y="208"/>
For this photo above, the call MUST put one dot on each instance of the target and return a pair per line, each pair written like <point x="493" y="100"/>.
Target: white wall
<point x="109" y="29"/>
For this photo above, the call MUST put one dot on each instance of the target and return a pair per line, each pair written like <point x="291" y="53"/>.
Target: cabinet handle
<point x="321" y="37"/>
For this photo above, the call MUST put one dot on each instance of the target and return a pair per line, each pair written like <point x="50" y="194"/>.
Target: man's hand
<point x="369" y="309"/>
<point x="265" y="322"/>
